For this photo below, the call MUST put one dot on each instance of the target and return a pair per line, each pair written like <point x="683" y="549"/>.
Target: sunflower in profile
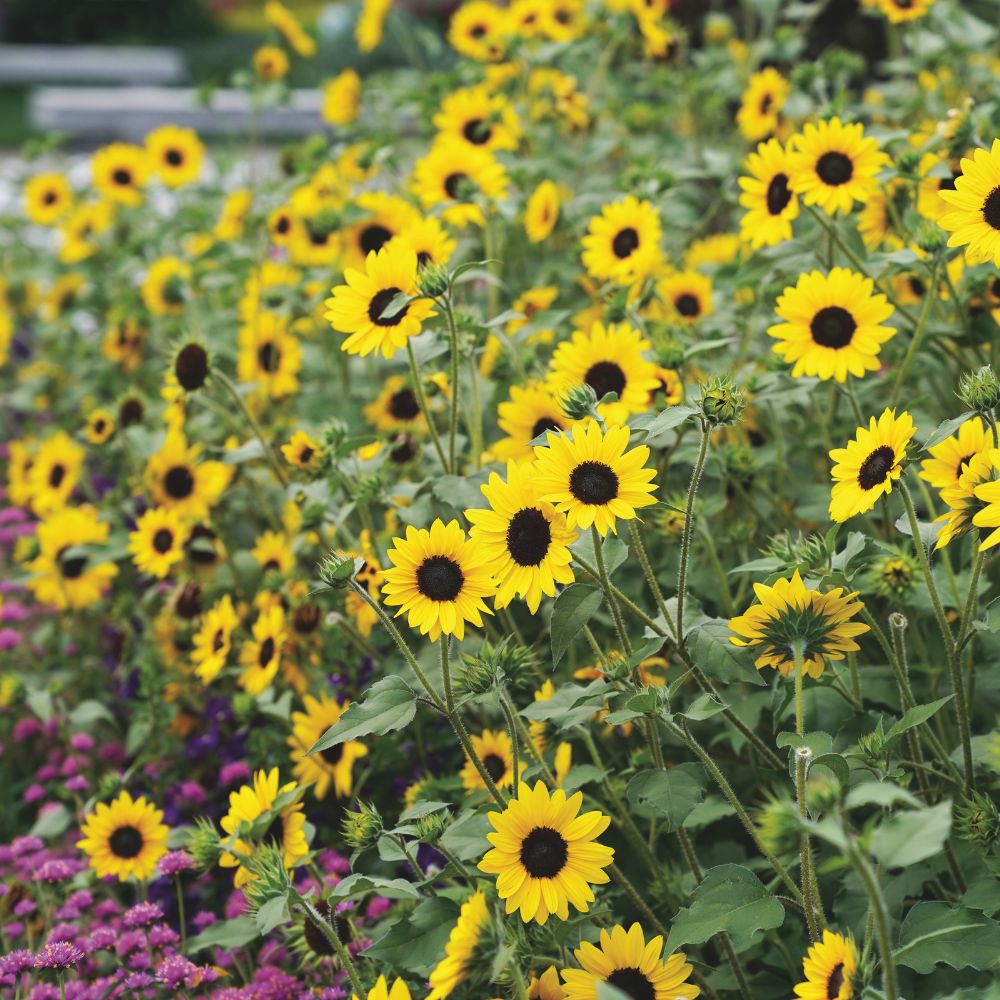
<point x="898" y="12"/>
<point x="969" y="496"/>
<point x="428" y="239"/>
<point x="478" y="29"/>
<point x="762" y="101"/>
<point x="233" y="215"/>
<point x="396" y="408"/>
<point x="364" y="307"/>
<point x="949" y="459"/>
<point x="460" y="951"/>
<point x="54" y="473"/>
<point x="623" y="242"/>
<point x="495" y="751"/>
<point x="438" y="579"/>
<point x="340" y="98"/>
<point x="47" y="198"/>
<point x="868" y="466"/>
<point x="175" y="154"/>
<point x="832" y="325"/>
<point x="157" y="544"/>
<point x="936" y="174"/>
<point x="124" y="839"/>
<point x="829" y="968"/>
<point x="302" y="451"/>
<point x="476" y="116"/>
<point x="460" y="177"/>
<point x="270" y="355"/>
<point x="524" y="538"/>
<point x="628" y="962"/>
<point x="988" y="497"/>
<point x="788" y="613"/>
<point x="100" y="426"/>
<point x="545" y="853"/>
<point x="261" y="656"/>
<point x="332" y="766"/>
<point x="546" y="986"/>
<point x="387" y="216"/>
<point x="686" y="294"/>
<point x="212" y="641"/>
<point x="120" y="172"/>
<point x="832" y="165"/>
<point x="770" y="203"/>
<point x="65" y="573"/>
<point x="249" y="807"/>
<point x="973" y="218"/>
<point x="166" y="289"/>
<point x="608" y="359"/>
<point x="178" y="480"/>
<point x="541" y="212"/>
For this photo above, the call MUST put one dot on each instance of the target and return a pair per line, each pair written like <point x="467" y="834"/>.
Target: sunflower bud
<point x="931" y="238"/>
<point x="431" y="828"/>
<point x="907" y="163"/>
<point x="580" y="402"/>
<point x="872" y="747"/>
<point x="822" y="792"/>
<point x="977" y="820"/>
<point x="670" y="352"/>
<point x="980" y="390"/>
<point x="433" y="280"/>
<point x="109" y="786"/>
<point x="369" y="490"/>
<point x="362" y="828"/>
<point x="270" y="879"/>
<point x="495" y="666"/>
<point x="721" y="402"/>
<point x="337" y="570"/>
<point x="777" y="823"/>
<point x="204" y="845"/>
<point x="616" y="307"/>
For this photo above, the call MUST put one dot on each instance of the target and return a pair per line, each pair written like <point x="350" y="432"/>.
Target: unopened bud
<point x="721" y="402"/>
<point x="980" y="390"/>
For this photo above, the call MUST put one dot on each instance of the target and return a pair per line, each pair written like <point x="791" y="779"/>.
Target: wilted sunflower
<point x="460" y="177"/>
<point x="166" y="289"/>
<point x="761" y="103"/>
<point x="686" y="294"/>
<point x="124" y="839"/>
<point x="47" y="198"/>
<point x="261" y="657"/>
<point x="100" y="426"/>
<point x="623" y="242"/>
<point x="770" y="203"/>
<point x="626" y="961"/>
<point x="868" y="466"/>
<point x="951" y="457"/>
<point x="790" y="613"/>
<point x="270" y="355"/>
<point x="120" y="172"/>
<point x="832" y="325"/>
<point x="175" y="154"/>
<point x="477" y="30"/>
<point x="524" y="538"/>
<point x="212" y="641"/>
<point x="833" y="165"/>
<point x="974" y="218"/>
<point x="965" y="503"/>
<point x="176" y="479"/>
<point x="545" y="854"/>
<point x="592" y="478"/>
<point x="438" y="579"/>
<point x="302" y="451"/>
<point x="157" y="544"/>
<point x="361" y="307"/>
<point x="55" y="471"/>
<point x="332" y="766"/>
<point x="541" y="211"/>
<point x="460" y="951"/>
<point x="829" y="969"/>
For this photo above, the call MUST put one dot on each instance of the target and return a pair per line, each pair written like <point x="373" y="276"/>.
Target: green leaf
<point x="915" y="716"/>
<point x="945" y="429"/>
<point x="879" y="793"/>
<point x="647" y="428"/>
<point x="605" y="991"/>
<point x="396" y="305"/>
<point x="913" y="835"/>
<point x="357" y="885"/>
<point x="571" y="705"/>
<point x="228" y="934"/>
<point x="671" y="794"/>
<point x="273" y="914"/>
<point x="415" y="941"/>
<point x="935" y="934"/>
<point x="574" y="607"/>
<point x="730" y="898"/>
<point x="89" y="712"/>
<point x="836" y="763"/>
<point x="711" y="649"/>
<point x="389" y="705"/>
<point x="466" y="837"/>
<point x="52" y="822"/>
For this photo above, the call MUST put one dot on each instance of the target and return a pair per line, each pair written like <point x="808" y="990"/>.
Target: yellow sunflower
<point x="166" y="289"/>
<point x="974" y="216"/>
<point x="762" y="101"/>
<point x="261" y="656"/>
<point x="829" y="969"/>
<point x="897" y="12"/>
<point x="476" y="116"/>
<point x="123" y="342"/>
<point x="212" y="641"/>
<point x="478" y="29"/>
<point x="686" y="294"/>
<point x="438" y="579"/>
<point x="157" y="544"/>
<point x="270" y="63"/>
<point x="80" y="229"/>
<point x="388" y="216"/>
<point x="949" y="459"/>
<point x="273" y="551"/>
<point x="302" y="451"/>
<point x="120" y="172"/>
<point x="175" y="154"/>
<point x="545" y="854"/>
<point x="770" y="203"/>
<point x="396" y="408"/>
<point x="541" y="212"/>
<point x="460" y="951"/>
<point x="832" y="165"/>
<point x="460" y="177"/>
<point x="100" y="426"/>
<point x="626" y="961"/>
<point x="546" y="986"/>
<point x="124" y="839"/>
<point x="340" y="98"/>
<point x="495" y="751"/>
<point x="332" y="766"/>
<point x="369" y="30"/>
<point x="868" y="466"/>
<point x="988" y="497"/>
<point x="936" y="174"/>
<point x="178" y="480"/>
<point x="290" y="28"/>
<point x="428" y="239"/>
<point x="47" y="198"/>
<point x="623" y="242"/>
<point x="382" y="991"/>
<point x="270" y="355"/>
<point x="968" y="497"/>
<point x="55" y="471"/>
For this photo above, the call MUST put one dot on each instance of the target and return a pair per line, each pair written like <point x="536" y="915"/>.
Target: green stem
<point x="180" y="910"/>
<point x="418" y="389"/>
<point x="330" y="933"/>
<point x="682" y="569"/>
<point x="224" y="381"/>
<point x="881" y="919"/>
<point x="508" y="714"/>
<point x="972" y="598"/>
<point x="453" y="415"/>
<point x="616" y="613"/>
<point x="916" y="338"/>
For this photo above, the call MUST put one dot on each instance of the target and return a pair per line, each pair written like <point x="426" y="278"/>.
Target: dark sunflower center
<point x="282" y="224"/>
<point x="404" y="450"/>
<point x="453" y="184"/>
<point x="477" y="131"/>
<point x="374" y="237"/>
<point x="687" y="305"/>
<point x="605" y="377"/>
<point x="832" y="327"/>
<point x="125" y="842"/>
<point x="991" y="209"/>
<point x="495" y="766"/>
<point x="626" y="241"/>
<point x="179" y="482"/>
<point x="266" y="652"/>
<point x="633" y="982"/>
<point x="218" y="640"/>
<point x="268" y="357"/>
<point x="56" y="476"/>
<point x="962" y="463"/>
<point x="163" y="540"/>
<point x="836" y="979"/>
<point x="593" y="483"/>
<point x="191" y="366"/>
<point x="916" y="286"/>
<point x="778" y="194"/>
<point x="305" y="455"/>
<point x="440" y="578"/>
<point x="544" y="852"/>
<point x="528" y="537"/>
<point x="130" y="412"/>
<point x="403" y="405"/>
<point x="122" y="177"/>
<point x="379" y="303"/>
<point x="876" y="467"/>
<point x="542" y="425"/>
<point x="332" y="755"/>
<point x="834" y="168"/>
<point x="765" y="103"/>
<point x="72" y="567"/>
<point x="50" y="197"/>
<point x="99" y="424"/>
<point x="424" y="258"/>
<point x="174" y="157"/>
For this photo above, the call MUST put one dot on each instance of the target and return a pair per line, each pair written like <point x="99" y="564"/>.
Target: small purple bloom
<point x="59" y="955"/>
<point x="142" y="914"/>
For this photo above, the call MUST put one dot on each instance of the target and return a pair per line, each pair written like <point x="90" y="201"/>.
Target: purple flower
<point x="16" y="962"/>
<point x="56" y="870"/>
<point x="139" y="981"/>
<point x="9" y="638"/>
<point x="233" y="773"/>
<point x="175" y="970"/>
<point x="102" y="938"/>
<point x="161" y="935"/>
<point x="34" y="792"/>
<point x="81" y="898"/>
<point x="25" y="908"/>
<point x="129" y="942"/>
<point x="59" y="955"/>
<point x="175" y="862"/>
<point x="82" y="742"/>
<point x="78" y="783"/>
<point x="25" y="845"/>
<point x="203" y="919"/>
<point x="62" y="932"/>
<point x="142" y="914"/>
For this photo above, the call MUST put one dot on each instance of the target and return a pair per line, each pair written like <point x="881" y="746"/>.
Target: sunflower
<point x="175" y="154"/>
<point x="623" y="242"/>
<point x="829" y="969"/>
<point x="47" y="198"/>
<point x="290" y="28"/>
<point x="328" y="767"/>
<point x="770" y="203"/>
<point x="388" y="216"/>
<point x="270" y="355"/>
<point x="273" y="551"/>
<point x="952" y="456"/>
<point x="123" y="839"/>
<point x="974" y="216"/>
<point x="669" y="389"/>
<point x="64" y="573"/>
<point x="176" y="479"/>
<point x="711" y="252"/>
<point x="213" y="639"/>
<point x="459" y="176"/>
<point x="832" y="165"/>
<point x="867" y="467"/>
<point x="123" y="342"/>
<point x="790" y="613"/>
<point x="608" y="359"/>
<point x="381" y="990"/>
<point x="340" y="98"/>
<point x="281" y="225"/>
<point x="476" y="116"/>
<point x="302" y="451"/>
<point x="936" y="174"/>
<point x="120" y="172"/>
<point x="78" y="233"/>
<point x="897" y="12"/>
<point x="832" y="325"/>
<point x="361" y="307"/>
<point x="261" y="656"/>
<point x="396" y="408"/>
<point x="762" y="101"/>
<point x="545" y="854"/>
<point x="591" y="477"/>
<point x="166" y="289"/>
<point x="157" y="544"/>
<point x="494" y="750"/>
<point x="477" y="30"/>
<point x="270" y="63"/>
<point x="524" y="537"/>
<point x="100" y="426"/>
<point x="687" y="295"/>
<point x="428" y="239"/>
<point x="541" y="212"/>
<point x="546" y="986"/>
<point x="988" y="496"/>
<point x="438" y="579"/>
<point x="369" y="577"/>
<point x="247" y="808"/>
<point x="562" y="20"/>
<point x="369" y="30"/>
<point x="54" y="473"/>
<point x="459" y="952"/>
<point x="233" y="216"/>
<point x="66" y="293"/>
<point x="964" y="500"/>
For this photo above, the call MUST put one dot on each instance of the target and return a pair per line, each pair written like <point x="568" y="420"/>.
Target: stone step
<point x="40" y="64"/>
